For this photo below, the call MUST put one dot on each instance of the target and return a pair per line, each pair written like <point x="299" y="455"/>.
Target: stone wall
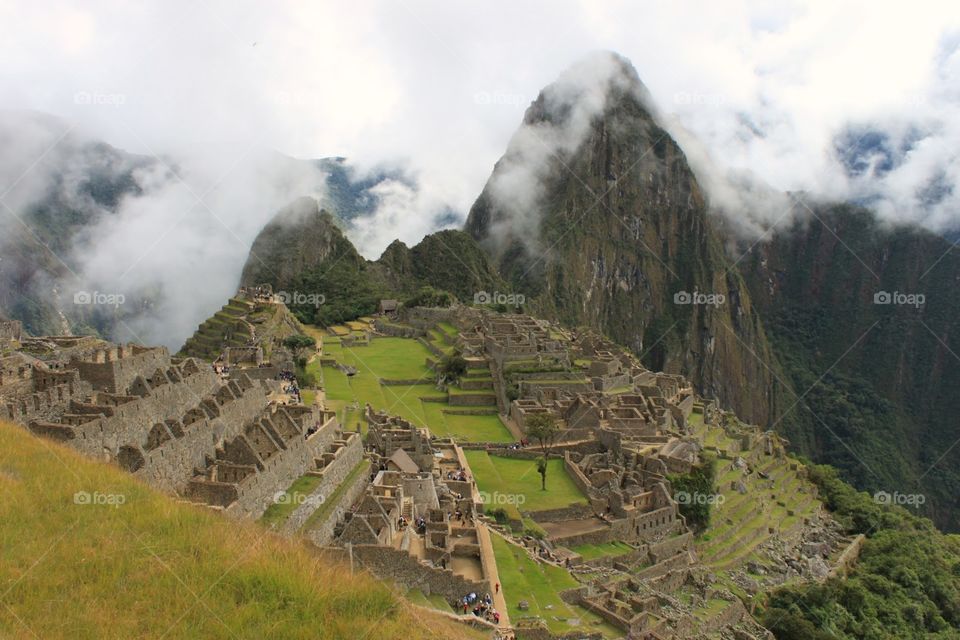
<point x="113" y="370"/>
<point x="10" y="331"/>
<point x="471" y="399"/>
<point x="333" y="474"/>
<point x="256" y="492"/>
<point x="395" y="330"/>
<point x="322" y="533"/>
<point x="401" y="568"/>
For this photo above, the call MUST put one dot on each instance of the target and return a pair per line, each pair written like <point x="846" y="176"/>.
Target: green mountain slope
<point x="618" y="229"/>
<point x="303" y="251"/>
<point x="878" y="381"/>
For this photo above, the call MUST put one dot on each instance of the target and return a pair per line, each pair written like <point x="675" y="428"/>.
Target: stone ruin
<point x="172" y="422"/>
<point x="416" y="523"/>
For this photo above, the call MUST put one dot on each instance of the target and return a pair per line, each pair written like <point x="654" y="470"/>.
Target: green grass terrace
<point x="417" y="400"/>
<point x="519" y="482"/>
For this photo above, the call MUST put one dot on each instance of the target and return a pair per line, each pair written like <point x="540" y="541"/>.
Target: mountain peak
<point x="587" y="89"/>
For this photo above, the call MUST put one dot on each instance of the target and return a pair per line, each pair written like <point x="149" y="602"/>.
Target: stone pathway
<point x="486" y="550"/>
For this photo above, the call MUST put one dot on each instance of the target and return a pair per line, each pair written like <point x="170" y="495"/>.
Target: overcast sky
<point x="441" y="86"/>
<point x="444" y="84"/>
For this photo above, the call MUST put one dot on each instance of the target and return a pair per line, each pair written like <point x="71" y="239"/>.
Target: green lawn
<point x="399" y="359"/>
<point x="522" y="578"/>
<point x="519" y="481"/>
<point x="488" y="428"/>
<point x="433" y="601"/>
<point x="391" y="358"/>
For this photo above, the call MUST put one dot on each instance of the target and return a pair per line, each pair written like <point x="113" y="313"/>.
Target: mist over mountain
<point x="82" y="218"/>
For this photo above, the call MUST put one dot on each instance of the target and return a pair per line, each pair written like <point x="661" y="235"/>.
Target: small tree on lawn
<point x="451" y="369"/>
<point x="543" y="428"/>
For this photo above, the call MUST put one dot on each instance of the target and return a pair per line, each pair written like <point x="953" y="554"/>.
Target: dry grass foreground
<point x="87" y="551"/>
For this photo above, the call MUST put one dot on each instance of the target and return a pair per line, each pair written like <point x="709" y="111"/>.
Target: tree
<point x="298" y="342"/>
<point x="452" y="367"/>
<point x="543" y="428"/>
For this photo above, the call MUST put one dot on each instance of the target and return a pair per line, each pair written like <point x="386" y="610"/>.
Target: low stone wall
<point x="673" y="563"/>
<point x="437" y="352"/>
<point x="573" y="512"/>
<point x="474" y="384"/>
<point x="537" y="630"/>
<point x="848" y="556"/>
<point x="400" y="567"/>
<point x="393" y="382"/>
<point x="471" y="399"/>
<point x="334" y="473"/>
<point x="397" y="331"/>
<point x="470" y="412"/>
<point x="671" y="546"/>
<point x="577" y="475"/>
<point x="322" y="533"/>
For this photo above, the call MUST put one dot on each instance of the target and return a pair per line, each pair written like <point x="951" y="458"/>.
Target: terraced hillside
<point x="242" y="322"/>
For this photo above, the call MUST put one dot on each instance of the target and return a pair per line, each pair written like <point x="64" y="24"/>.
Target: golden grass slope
<point x="87" y="551"/>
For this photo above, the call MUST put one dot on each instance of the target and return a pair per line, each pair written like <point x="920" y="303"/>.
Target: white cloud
<point x="440" y="88"/>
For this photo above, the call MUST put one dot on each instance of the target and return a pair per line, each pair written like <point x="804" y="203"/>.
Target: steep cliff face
<point x="866" y="321"/>
<point x="614" y="234"/>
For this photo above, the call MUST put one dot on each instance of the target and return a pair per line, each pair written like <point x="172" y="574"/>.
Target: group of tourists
<point x="459" y="475"/>
<point x="519" y="445"/>
<point x="481" y="607"/>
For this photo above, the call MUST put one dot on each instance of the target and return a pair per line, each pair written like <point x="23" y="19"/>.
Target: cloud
<point x="175" y="234"/>
<point x="756" y="95"/>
